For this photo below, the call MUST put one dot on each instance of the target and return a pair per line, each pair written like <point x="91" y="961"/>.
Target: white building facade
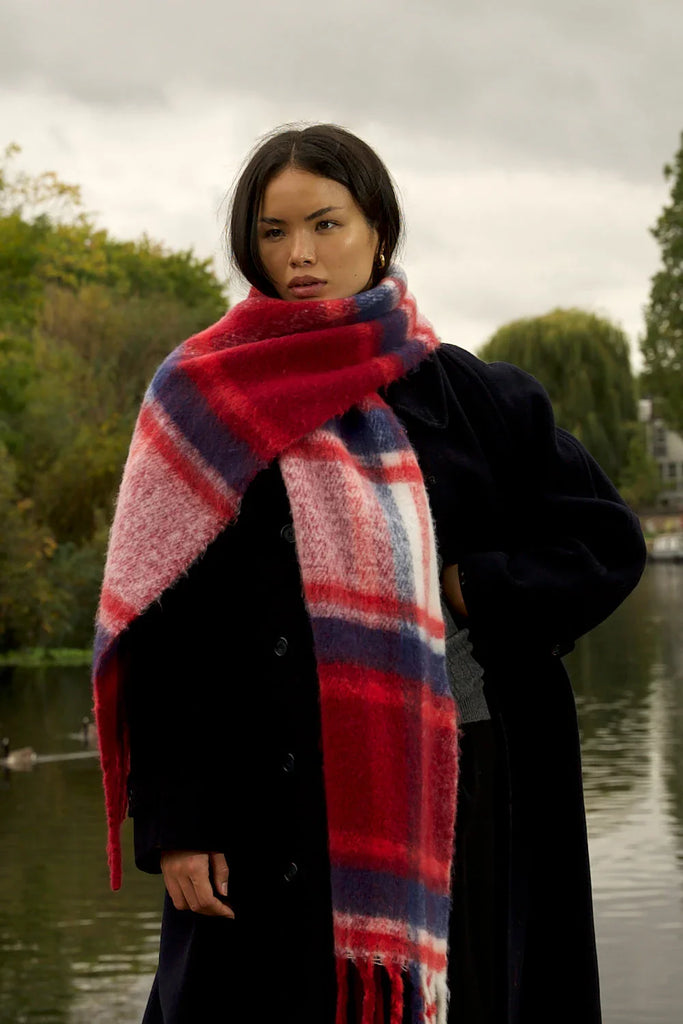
<point x="666" y="448"/>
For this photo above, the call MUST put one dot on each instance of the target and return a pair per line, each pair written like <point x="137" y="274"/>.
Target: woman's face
<point x="313" y="238"/>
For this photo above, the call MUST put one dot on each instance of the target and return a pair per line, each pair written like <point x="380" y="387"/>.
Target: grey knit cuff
<point x="465" y="674"/>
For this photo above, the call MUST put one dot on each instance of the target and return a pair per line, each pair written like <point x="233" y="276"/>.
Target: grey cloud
<point x="593" y="84"/>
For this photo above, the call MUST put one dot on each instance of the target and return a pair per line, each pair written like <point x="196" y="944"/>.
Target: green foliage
<point x="75" y="575"/>
<point x="640" y="481"/>
<point x="84" y="321"/>
<point x="45" y="657"/>
<point x="583" y="362"/>
<point x="22" y="193"/>
<point x="16" y="372"/>
<point x="662" y="346"/>
<point x="20" y="281"/>
<point x="25" y="591"/>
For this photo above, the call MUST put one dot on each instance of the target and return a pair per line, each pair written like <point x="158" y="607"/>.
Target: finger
<point x="179" y="866"/>
<point x="170" y="881"/>
<point x="220" y="872"/>
<point x="189" y="893"/>
<point x="176" y="894"/>
<point x="204" y="900"/>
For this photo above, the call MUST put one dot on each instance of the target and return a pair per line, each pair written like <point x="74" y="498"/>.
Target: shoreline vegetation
<point x="42" y="657"/>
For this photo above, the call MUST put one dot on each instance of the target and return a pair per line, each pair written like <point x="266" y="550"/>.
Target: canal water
<point x="72" y="952"/>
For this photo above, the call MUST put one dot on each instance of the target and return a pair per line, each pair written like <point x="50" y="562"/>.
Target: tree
<point x="640" y="482"/>
<point x="84" y="321"/>
<point x="662" y="346"/>
<point x="47" y="239"/>
<point x="25" y="592"/>
<point x="21" y="193"/>
<point x="583" y="362"/>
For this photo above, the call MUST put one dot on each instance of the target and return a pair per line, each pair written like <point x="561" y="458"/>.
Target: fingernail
<point x="224" y="888"/>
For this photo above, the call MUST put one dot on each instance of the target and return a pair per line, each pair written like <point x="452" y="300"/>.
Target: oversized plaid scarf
<point x="299" y="381"/>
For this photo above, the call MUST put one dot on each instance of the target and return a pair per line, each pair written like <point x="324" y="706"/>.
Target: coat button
<point x="291" y="872"/>
<point x="287" y="533"/>
<point x="288" y="763"/>
<point x="281" y="646"/>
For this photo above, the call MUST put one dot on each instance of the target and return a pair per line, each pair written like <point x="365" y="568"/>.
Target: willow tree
<point x="662" y="346"/>
<point x="583" y="362"/>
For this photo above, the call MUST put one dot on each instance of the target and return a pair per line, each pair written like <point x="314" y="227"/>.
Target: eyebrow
<point x="311" y="216"/>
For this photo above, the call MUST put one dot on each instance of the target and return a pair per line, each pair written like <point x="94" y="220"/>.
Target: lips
<point x="306" y="287"/>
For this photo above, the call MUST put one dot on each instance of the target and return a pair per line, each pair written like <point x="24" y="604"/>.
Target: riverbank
<point x="41" y="657"/>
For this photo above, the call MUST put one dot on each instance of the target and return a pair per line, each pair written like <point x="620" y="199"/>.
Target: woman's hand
<point x="188" y="875"/>
<point x="450" y="581"/>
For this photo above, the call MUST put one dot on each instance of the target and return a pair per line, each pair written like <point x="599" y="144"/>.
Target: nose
<point x="302" y="252"/>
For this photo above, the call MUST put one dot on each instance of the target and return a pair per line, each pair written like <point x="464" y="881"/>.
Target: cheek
<point x="273" y="261"/>
<point x="355" y="253"/>
<point x="266" y="253"/>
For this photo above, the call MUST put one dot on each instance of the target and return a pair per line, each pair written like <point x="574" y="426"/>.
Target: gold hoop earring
<point x="381" y="261"/>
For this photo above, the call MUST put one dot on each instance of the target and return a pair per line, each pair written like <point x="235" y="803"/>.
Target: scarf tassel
<point x="362" y="981"/>
<point x="342" y="1016"/>
<point x="430" y="996"/>
<point x="395" y="973"/>
<point x="442" y="994"/>
<point x="369" y="982"/>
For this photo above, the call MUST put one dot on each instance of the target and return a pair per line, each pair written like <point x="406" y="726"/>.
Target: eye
<point x="272" y="232"/>
<point x="326" y="224"/>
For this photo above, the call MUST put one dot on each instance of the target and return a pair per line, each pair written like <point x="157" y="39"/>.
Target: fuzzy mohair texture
<point x="299" y="382"/>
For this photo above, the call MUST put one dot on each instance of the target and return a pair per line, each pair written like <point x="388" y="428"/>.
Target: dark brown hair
<point x="324" y="149"/>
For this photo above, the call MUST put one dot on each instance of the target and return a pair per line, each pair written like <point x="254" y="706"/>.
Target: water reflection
<point x="667" y="586"/>
<point x="72" y="952"/>
<point x="628" y="681"/>
<point x="610" y="672"/>
<point x="63" y="935"/>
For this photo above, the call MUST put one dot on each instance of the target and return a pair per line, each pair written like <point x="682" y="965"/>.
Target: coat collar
<point x="420" y="394"/>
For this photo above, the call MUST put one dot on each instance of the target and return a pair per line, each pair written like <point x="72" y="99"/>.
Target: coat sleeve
<point x="173" y="785"/>
<point x="575" y="550"/>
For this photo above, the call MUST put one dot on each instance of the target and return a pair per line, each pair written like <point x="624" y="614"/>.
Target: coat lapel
<point x="420" y="394"/>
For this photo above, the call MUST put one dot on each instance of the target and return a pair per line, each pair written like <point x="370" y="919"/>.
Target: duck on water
<point x="20" y="760"/>
<point x="24" y="758"/>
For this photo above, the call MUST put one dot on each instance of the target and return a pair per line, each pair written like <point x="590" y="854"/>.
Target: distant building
<point x="666" y="448"/>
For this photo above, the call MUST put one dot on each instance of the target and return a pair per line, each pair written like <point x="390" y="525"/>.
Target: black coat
<point x="224" y="717"/>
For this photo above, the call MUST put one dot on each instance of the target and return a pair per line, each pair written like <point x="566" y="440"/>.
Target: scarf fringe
<point x="417" y="1001"/>
<point x="433" y="996"/>
<point x="362" y="981"/>
<point x="395" y="973"/>
<point x="442" y="999"/>
<point x="369" y="982"/>
<point x="341" y="1016"/>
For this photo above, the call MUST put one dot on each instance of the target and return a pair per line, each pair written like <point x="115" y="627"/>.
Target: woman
<point x="345" y="563"/>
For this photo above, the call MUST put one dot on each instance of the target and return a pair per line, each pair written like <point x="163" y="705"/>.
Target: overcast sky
<point x="526" y="138"/>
